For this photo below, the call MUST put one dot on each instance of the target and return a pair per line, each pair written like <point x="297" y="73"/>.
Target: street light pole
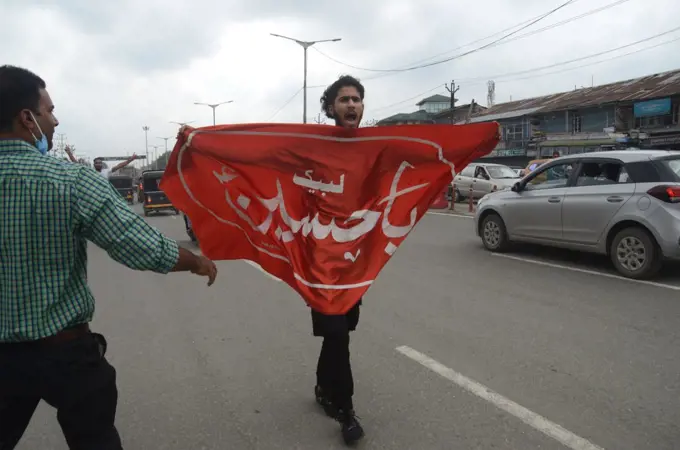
<point x="213" y="106"/>
<point x="155" y="156"/>
<point x="305" y="45"/>
<point x="146" y="139"/>
<point x="181" y="124"/>
<point x="166" y="142"/>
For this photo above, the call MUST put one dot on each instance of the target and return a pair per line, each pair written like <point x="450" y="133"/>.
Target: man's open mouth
<point x="351" y="116"/>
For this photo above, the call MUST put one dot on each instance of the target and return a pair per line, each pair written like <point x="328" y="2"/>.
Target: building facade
<point x="641" y="112"/>
<point x="432" y="110"/>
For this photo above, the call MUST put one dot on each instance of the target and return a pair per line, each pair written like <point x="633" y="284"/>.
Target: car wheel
<point x="494" y="234"/>
<point x="635" y="254"/>
<point x="457" y="197"/>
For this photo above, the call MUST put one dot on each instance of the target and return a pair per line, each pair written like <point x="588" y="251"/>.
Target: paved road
<point x="232" y="366"/>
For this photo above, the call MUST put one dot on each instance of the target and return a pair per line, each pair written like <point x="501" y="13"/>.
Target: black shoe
<point x="323" y="399"/>
<point x="352" y="430"/>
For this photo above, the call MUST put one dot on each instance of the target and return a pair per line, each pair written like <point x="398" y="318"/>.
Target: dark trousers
<point x="72" y="376"/>
<point x="334" y="371"/>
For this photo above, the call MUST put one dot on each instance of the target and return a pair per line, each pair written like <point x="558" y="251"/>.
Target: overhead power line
<point x="536" y="69"/>
<point x="386" y="73"/>
<point x="434" y="63"/>
<point x="521" y="36"/>
<point x="592" y="55"/>
<point x="284" y="105"/>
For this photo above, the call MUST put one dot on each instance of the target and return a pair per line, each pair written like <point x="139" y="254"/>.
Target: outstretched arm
<point x="70" y="155"/>
<point x="124" y="163"/>
<point x="105" y="219"/>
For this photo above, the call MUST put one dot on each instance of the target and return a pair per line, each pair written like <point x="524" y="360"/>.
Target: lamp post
<point x="181" y="124"/>
<point x="146" y="139"/>
<point x="166" y="143"/>
<point x="305" y="45"/>
<point x="213" y="106"/>
<point x="155" y="156"/>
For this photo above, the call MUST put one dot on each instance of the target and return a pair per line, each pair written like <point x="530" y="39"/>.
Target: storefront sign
<point x="658" y="107"/>
<point x="504" y="153"/>
<point x="666" y="140"/>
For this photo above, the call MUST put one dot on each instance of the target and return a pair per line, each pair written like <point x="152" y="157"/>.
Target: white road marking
<point x="537" y="422"/>
<point x="590" y="272"/>
<point x="462" y="216"/>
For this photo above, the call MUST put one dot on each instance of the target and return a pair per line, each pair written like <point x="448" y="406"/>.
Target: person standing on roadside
<point x="343" y="101"/>
<point x="49" y="209"/>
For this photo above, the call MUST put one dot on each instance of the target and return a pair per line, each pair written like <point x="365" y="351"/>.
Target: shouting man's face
<point x="348" y="107"/>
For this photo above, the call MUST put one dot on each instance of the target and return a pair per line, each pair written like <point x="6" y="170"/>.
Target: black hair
<point x="331" y="92"/>
<point x="19" y="89"/>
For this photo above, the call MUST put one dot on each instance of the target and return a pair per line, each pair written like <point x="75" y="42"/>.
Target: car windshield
<point x="674" y="166"/>
<point x="501" y="172"/>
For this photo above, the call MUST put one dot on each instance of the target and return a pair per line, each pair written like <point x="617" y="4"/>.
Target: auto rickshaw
<point x="123" y="184"/>
<point x="154" y="198"/>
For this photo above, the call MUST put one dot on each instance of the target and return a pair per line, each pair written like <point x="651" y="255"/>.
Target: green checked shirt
<point x="49" y="209"/>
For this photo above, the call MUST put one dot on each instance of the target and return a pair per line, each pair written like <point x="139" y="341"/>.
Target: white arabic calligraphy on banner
<point x="306" y="225"/>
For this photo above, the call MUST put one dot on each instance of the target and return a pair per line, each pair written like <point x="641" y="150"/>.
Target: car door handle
<point x="614" y="199"/>
<point x="554" y="200"/>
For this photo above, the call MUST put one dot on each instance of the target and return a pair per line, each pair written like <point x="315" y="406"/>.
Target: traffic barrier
<point x="471" y="207"/>
<point x="453" y="197"/>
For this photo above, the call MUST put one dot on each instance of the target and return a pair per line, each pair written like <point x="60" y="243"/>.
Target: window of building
<point x="513" y="132"/>
<point x="575" y="123"/>
<point x="655" y="121"/>
<point x="435" y="107"/>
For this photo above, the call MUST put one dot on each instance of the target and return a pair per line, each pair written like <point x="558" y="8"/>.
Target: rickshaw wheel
<point x="146" y="213"/>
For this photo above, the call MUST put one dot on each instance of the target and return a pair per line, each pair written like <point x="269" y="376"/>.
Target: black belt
<point x="65" y="335"/>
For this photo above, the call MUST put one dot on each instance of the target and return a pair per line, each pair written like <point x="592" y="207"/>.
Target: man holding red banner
<point x="322" y="208"/>
<point x="343" y="101"/>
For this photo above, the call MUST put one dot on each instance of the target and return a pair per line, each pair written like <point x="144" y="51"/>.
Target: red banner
<point x="321" y="207"/>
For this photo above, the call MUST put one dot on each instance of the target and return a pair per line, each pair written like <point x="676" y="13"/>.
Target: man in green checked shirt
<point x="48" y="210"/>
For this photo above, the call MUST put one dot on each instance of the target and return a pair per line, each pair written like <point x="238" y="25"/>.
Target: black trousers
<point x="334" y="369"/>
<point x="72" y="376"/>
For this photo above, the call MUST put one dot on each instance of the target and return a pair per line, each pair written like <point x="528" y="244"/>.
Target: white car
<point x="479" y="179"/>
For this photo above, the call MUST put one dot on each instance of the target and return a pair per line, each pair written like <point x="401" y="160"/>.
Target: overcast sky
<point x="115" y="66"/>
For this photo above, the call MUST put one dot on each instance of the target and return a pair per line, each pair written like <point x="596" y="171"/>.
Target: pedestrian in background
<point x="49" y="209"/>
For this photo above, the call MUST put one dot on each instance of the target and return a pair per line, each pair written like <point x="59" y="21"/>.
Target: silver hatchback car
<point x="624" y="204"/>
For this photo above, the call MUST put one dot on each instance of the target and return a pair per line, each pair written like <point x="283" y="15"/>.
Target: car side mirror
<point x="517" y="187"/>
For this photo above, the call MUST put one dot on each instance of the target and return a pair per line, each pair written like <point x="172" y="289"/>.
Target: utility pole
<point x="146" y="138"/>
<point x="305" y="45"/>
<point x="60" y="152"/>
<point x="453" y="89"/>
<point x="155" y="156"/>
<point x="166" y="143"/>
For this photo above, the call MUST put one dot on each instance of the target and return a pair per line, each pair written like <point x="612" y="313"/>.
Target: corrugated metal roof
<point x="416" y="115"/>
<point x="645" y="88"/>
